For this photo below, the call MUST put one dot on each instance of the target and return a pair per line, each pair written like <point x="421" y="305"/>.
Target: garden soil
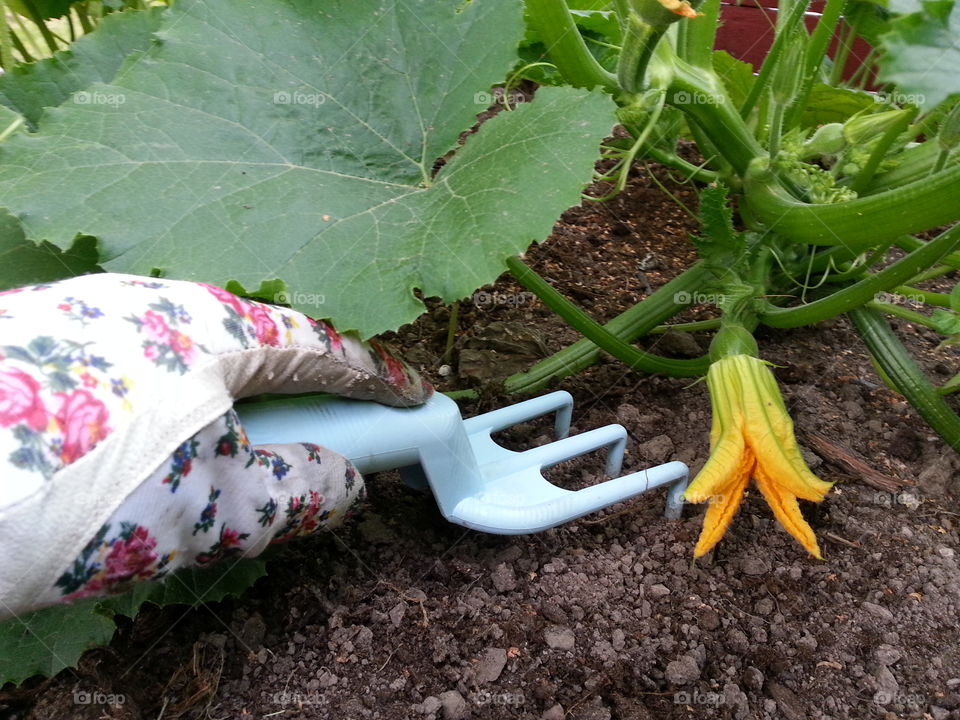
<point x="399" y="615"/>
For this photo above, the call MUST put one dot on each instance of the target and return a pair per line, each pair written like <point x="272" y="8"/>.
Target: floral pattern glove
<point x="122" y="456"/>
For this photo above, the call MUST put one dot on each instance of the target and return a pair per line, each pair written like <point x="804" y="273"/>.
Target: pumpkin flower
<point x="680" y="7"/>
<point x="752" y="436"/>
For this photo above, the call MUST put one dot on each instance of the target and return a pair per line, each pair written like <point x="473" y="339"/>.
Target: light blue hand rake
<point x="476" y="482"/>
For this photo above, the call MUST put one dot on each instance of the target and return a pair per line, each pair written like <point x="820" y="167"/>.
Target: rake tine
<point x="612" y="436"/>
<point x="560" y="401"/>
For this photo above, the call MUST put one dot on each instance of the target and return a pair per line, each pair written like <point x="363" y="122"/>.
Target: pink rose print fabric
<point x="122" y="457"/>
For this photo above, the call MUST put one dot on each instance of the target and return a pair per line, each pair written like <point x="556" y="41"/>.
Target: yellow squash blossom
<point x="680" y="7"/>
<point x="752" y="436"/>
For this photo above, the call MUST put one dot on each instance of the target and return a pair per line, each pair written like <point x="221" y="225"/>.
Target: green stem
<point x="893" y="358"/>
<point x="857" y="224"/>
<point x="12" y="128"/>
<point x="666" y="191"/>
<point x="698" y="326"/>
<point x="901" y="312"/>
<point x="813" y="58"/>
<point x="865" y="176"/>
<point x="847" y="35"/>
<point x="84" y="17"/>
<point x="864" y="291"/>
<point x="639" y="41"/>
<point x="834" y="256"/>
<point x="41" y="25"/>
<point x="780" y="42"/>
<point x="580" y="321"/>
<point x="697" y="38"/>
<point x="926" y="296"/>
<point x="914" y="163"/>
<point x="566" y="46"/>
<point x="930" y="273"/>
<point x="941" y="161"/>
<point x="629" y="325"/>
<point x="910" y="243"/>
<point x="626" y="162"/>
<point x="950" y="386"/>
<point x="462" y="394"/>
<point x="689" y="170"/>
<point x="861" y="75"/>
<point x="25" y="54"/>
<point x="776" y="128"/>
<point x="6" y="35"/>
<point x="701" y="96"/>
<point x="29" y="43"/>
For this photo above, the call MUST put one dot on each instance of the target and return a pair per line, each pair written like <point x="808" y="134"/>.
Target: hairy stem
<point x="629" y="325"/>
<point x="864" y="291"/>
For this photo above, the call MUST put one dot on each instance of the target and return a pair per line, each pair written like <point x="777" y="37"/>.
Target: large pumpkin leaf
<point x="23" y="262"/>
<point x="923" y="52"/>
<point x="46" y="641"/>
<point x="294" y="140"/>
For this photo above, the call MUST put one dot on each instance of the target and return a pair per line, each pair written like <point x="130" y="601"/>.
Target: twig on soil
<point x="844" y="541"/>
<point x="604" y="681"/>
<point x="385" y="662"/>
<point x="850" y="463"/>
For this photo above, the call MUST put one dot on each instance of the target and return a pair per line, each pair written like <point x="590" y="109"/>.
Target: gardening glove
<point x="122" y="456"/>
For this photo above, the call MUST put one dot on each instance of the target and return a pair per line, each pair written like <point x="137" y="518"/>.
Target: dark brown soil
<point x="401" y="615"/>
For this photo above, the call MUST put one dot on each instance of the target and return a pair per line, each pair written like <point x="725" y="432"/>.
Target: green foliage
<point x="824" y="176"/>
<point x="49" y="640"/>
<point x="947" y="322"/>
<point x="246" y="146"/>
<point x="829" y="104"/>
<point x="737" y="76"/>
<point x="598" y="24"/>
<point x="23" y="262"/>
<point x="922" y="53"/>
<point x="97" y="57"/>
<point x="719" y="243"/>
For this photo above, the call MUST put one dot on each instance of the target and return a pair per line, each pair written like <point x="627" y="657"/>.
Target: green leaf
<point x="29" y="88"/>
<point x="25" y="263"/>
<point x="45" y="8"/>
<point x="10" y="121"/>
<point x="719" y="243"/>
<point x="922" y="54"/>
<point x="870" y="19"/>
<point x="828" y="104"/>
<point x="266" y="140"/>
<point x="193" y="586"/>
<point x="946" y="322"/>
<point x="955" y="298"/>
<point x="737" y="76"/>
<point x="46" y="641"/>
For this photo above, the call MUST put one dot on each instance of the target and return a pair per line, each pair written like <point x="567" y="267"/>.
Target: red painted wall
<point x="746" y="32"/>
